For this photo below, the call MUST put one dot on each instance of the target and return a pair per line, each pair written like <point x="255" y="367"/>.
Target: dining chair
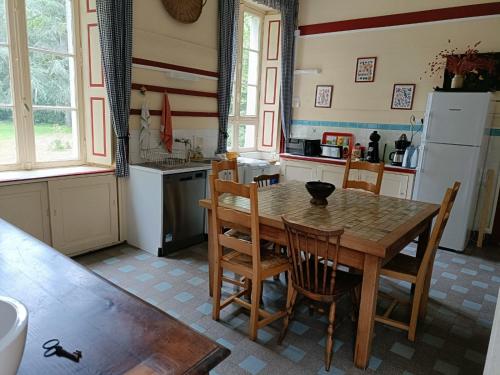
<point x="242" y="256"/>
<point x="267" y="179"/>
<point x="226" y="165"/>
<point x="416" y="270"/>
<point x="377" y="168"/>
<point x="313" y="254"/>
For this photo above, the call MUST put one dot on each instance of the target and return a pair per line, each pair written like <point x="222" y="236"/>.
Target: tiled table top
<point x="362" y="215"/>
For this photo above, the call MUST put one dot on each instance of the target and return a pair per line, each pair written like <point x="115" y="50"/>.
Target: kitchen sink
<point x="13" y="328"/>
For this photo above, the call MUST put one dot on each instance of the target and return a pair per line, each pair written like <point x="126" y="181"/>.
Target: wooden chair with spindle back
<point x="267" y="179"/>
<point x="313" y="254"/>
<point x="242" y="255"/>
<point x="377" y="168"/>
<point x="226" y="165"/>
<point x="416" y="270"/>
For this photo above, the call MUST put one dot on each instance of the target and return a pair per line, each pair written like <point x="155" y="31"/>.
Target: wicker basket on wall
<point x="185" y="11"/>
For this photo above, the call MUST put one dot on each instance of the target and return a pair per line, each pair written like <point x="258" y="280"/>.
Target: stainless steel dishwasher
<point x="183" y="218"/>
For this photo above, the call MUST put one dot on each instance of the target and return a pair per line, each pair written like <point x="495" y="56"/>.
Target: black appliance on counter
<point x="304" y="147"/>
<point x="372" y="154"/>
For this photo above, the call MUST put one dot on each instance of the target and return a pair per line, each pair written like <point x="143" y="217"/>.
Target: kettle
<point x="410" y="158"/>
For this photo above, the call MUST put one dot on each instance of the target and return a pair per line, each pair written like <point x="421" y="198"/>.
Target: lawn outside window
<point x="40" y="86"/>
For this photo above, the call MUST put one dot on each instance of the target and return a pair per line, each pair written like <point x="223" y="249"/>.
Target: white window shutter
<point x="98" y="131"/>
<point x="269" y="116"/>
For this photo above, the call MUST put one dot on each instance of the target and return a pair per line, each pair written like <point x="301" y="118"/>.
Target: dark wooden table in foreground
<point x="116" y="332"/>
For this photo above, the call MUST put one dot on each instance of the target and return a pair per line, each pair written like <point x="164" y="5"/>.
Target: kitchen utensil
<point x="373" y="152"/>
<point x="396" y="157"/>
<point x="319" y="192"/>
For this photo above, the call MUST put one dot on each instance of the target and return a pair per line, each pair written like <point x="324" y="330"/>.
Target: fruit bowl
<point x="319" y="191"/>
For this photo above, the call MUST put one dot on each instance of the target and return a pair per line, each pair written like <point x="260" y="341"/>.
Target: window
<point x="39" y="117"/>
<point x="243" y="116"/>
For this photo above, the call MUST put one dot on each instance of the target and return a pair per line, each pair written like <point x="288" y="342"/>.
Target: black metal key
<point x="75" y="356"/>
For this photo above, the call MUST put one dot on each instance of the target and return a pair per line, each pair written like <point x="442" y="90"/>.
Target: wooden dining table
<point x="376" y="229"/>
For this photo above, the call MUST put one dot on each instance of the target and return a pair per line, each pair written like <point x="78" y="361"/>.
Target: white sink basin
<point x="13" y="328"/>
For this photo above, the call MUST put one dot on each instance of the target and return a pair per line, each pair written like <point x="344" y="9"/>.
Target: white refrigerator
<point x="453" y="148"/>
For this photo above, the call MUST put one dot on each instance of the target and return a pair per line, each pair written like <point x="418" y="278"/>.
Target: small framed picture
<point x="402" y="96"/>
<point x="365" y="69"/>
<point x="324" y="96"/>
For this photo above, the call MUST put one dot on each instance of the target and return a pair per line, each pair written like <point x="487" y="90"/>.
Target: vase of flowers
<point x="461" y="65"/>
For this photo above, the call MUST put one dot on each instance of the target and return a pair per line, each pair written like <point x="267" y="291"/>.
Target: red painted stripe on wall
<point x="159" y="64"/>
<point x="432" y="15"/>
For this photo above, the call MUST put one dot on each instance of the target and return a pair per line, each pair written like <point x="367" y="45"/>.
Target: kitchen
<point x="149" y="237"/>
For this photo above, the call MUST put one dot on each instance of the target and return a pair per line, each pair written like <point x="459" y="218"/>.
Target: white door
<point x="334" y="175"/>
<point x="441" y="166"/>
<point x="457" y="118"/>
<point x="27" y="207"/>
<point x="84" y="213"/>
<point x="299" y="171"/>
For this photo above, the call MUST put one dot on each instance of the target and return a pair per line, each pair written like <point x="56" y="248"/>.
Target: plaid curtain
<point x="115" y="35"/>
<point x="228" y="34"/>
<point x="289" y="22"/>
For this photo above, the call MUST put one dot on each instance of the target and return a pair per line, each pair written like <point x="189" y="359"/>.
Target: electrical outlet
<point x="296" y="102"/>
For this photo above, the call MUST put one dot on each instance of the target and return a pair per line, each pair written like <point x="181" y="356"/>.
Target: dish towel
<point x="166" y="125"/>
<point x="144" y="134"/>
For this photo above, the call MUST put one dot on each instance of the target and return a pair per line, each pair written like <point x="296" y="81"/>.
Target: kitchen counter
<point x="320" y="159"/>
<point x="189" y="167"/>
<point x="44" y="174"/>
<point x="117" y="332"/>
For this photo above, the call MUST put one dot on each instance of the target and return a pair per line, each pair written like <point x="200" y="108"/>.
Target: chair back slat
<point x="439" y="227"/>
<point x="267" y="179"/>
<point x="313" y="254"/>
<point x="225" y="165"/>
<point x="377" y="168"/>
<point x="224" y="218"/>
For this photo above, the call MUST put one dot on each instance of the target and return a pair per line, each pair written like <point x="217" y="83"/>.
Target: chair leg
<point x="329" y="338"/>
<point x="254" y="311"/>
<point x="415" y="307"/>
<point x="217" y="292"/>
<point x="291" y="297"/>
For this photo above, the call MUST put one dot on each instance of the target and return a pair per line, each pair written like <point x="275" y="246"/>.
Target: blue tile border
<point x="494" y="132"/>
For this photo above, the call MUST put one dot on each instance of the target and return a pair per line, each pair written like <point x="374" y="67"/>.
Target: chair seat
<point x="344" y="281"/>
<point x="268" y="262"/>
<point x="402" y="267"/>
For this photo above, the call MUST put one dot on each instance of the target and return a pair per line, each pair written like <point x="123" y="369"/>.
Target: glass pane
<point x="246" y="136"/>
<point x="5" y="96"/>
<point x="253" y="68"/>
<point x="50" y="79"/>
<point x="56" y="135"/>
<point x="3" y="22"/>
<point x="251" y="31"/>
<point x="7" y="137"/>
<point x="230" y="134"/>
<point x="49" y="24"/>
<point x="248" y="101"/>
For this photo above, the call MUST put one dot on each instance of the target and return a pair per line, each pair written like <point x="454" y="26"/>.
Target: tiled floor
<point x="452" y="340"/>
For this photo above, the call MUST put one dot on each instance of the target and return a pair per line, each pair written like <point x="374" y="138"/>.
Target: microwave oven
<point x="304" y="147"/>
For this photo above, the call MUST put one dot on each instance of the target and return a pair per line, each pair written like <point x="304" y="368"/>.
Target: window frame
<point x="236" y="119"/>
<point x="20" y="77"/>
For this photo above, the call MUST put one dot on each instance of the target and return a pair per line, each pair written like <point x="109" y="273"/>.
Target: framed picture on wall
<point x="324" y="96"/>
<point x="402" y="96"/>
<point x="365" y="69"/>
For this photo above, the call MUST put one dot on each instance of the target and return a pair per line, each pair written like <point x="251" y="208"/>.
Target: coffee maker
<point x="372" y="154"/>
<point x="397" y="156"/>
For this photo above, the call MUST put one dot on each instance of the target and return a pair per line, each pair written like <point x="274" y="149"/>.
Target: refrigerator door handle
<point x="422" y="159"/>
<point x="429" y="122"/>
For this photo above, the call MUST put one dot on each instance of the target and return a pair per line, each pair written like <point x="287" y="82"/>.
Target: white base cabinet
<point x="74" y="214"/>
<point x="394" y="184"/>
<point x="83" y="213"/>
<point x="27" y="207"/>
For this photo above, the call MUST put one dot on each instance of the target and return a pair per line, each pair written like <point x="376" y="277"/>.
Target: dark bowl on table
<point x="319" y="192"/>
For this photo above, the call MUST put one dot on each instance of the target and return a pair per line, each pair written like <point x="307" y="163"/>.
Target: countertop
<point x="41" y="174"/>
<point x="189" y="167"/>
<point x="117" y="332"/>
<point x="320" y="159"/>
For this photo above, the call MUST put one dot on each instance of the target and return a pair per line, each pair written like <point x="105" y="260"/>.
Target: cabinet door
<point x="27" y="207"/>
<point x="84" y="213"/>
<point x="394" y="185"/>
<point x="334" y="174"/>
<point x="299" y="171"/>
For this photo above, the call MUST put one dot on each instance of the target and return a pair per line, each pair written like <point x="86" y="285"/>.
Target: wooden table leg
<point x="366" y="321"/>
<point x="211" y="253"/>
<point x="423" y="241"/>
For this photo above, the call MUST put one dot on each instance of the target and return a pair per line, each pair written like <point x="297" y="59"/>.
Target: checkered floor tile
<point x="453" y="339"/>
